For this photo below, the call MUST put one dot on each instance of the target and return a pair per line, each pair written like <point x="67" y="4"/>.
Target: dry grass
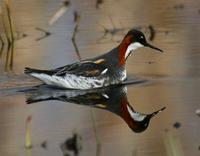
<point x="76" y="20"/>
<point x="7" y="5"/>
<point x="28" y="143"/>
<point x="6" y="20"/>
<point x="7" y="37"/>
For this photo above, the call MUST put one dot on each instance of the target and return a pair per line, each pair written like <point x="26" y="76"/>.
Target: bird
<point x="101" y="71"/>
<point x="112" y="98"/>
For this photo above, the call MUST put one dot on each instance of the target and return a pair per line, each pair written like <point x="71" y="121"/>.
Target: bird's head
<point x="138" y="39"/>
<point x="133" y="40"/>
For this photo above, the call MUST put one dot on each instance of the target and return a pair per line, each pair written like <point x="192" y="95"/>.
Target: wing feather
<point x="85" y="68"/>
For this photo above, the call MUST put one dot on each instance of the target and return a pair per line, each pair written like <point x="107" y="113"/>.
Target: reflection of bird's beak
<point x="153" y="47"/>
<point x="156" y="112"/>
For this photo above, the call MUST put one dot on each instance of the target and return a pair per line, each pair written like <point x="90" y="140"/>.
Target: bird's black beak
<point x="153" y="47"/>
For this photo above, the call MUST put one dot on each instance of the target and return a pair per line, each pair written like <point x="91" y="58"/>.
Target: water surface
<point x="172" y="78"/>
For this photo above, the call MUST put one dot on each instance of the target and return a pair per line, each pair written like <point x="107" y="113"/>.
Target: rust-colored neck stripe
<point x="124" y="112"/>
<point x="122" y="50"/>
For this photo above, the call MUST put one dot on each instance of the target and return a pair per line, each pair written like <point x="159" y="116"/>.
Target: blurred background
<point x="47" y="34"/>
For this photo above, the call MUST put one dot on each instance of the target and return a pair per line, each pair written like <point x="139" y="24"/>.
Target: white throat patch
<point x="131" y="47"/>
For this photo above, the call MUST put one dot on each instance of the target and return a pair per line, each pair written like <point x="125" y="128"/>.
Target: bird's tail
<point x="38" y="71"/>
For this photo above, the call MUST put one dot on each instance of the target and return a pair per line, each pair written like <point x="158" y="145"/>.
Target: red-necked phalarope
<point x="113" y="99"/>
<point x="105" y="70"/>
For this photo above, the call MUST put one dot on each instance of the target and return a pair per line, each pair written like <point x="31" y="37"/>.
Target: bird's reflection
<point x="113" y="99"/>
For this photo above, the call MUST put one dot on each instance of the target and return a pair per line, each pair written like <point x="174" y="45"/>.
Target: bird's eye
<point x="142" y="39"/>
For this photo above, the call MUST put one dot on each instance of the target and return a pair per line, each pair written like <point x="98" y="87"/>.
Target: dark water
<point x="172" y="80"/>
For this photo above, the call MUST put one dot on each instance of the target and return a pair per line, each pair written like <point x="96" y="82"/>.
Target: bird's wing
<point x="84" y="68"/>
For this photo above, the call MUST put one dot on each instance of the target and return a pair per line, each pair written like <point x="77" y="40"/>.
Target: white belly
<point x="71" y="81"/>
